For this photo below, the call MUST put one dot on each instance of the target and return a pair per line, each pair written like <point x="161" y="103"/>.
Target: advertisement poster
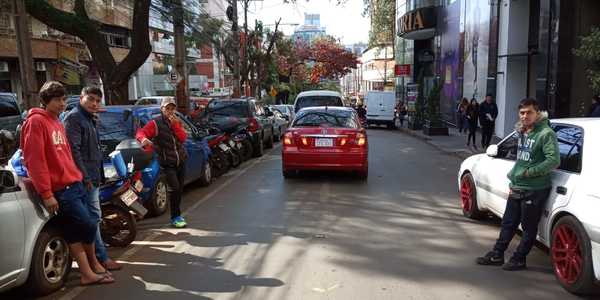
<point x="476" y="53"/>
<point x="450" y="59"/>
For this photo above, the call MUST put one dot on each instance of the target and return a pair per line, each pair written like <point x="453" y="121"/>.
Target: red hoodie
<point x="47" y="154"/>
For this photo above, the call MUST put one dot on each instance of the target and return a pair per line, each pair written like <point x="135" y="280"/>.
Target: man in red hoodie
<point x="47" y="156"/>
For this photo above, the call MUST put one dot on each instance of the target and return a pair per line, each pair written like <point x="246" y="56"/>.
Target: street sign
<point x="402" y="70"/>
<point x="173" y="77"/>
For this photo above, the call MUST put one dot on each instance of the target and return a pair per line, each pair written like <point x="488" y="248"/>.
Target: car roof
<point x="320" y="108"/>
<point x="582" y="122"/>
<point x="319" y="93"/>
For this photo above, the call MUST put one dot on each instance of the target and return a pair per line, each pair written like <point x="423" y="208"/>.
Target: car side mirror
<point x="8" y="181"/>
<point x="492" y="151"/>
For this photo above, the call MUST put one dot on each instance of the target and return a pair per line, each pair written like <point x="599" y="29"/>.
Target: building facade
<point x="311" y="29"/>
<point x="509" y="49"/>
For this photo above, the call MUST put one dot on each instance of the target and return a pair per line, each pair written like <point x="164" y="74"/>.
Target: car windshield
<point x="325" y="118"/>
<point x="115" y="126"/>
<point x="228" y="108"/>
<point x="311" y="101"/>
<point x="8" y="106"/>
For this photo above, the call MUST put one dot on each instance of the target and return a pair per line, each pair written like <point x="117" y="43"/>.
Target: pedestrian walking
<point x="461" y="115"/>
<point x="488" y="112"/>
<point x="57" y="179"/>
<point x="82" y="132"/>
<point x="595" y="108"/>
<point x="402" y="112"/>
<point x="530" y="185"/>
<point x="472" y="116"/>
<point x="166" y="134"/>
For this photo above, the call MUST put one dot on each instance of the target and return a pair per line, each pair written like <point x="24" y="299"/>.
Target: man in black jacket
<point x="488" y="112"/>
<point x="81" y="127"/>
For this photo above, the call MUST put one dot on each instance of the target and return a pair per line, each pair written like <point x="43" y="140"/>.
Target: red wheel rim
<point x="566" y="254"/>
<point x="466" y="194"/>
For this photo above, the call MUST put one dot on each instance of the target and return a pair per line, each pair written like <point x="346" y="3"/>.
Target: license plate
<point x="128" y="197"/>
<point x="324" y="142"/>
<point x="231" y="143"/>
<point x="139" y="185"/>
<point x="223" y="147"/>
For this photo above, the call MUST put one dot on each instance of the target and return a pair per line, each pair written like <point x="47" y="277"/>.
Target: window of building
<point x="117" y="40"/>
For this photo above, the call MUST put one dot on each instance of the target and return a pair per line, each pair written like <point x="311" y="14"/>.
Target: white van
<point x="317" y="98"/>
<point x="381" y="106"/>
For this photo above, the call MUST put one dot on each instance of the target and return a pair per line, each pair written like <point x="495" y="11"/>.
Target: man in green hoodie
<point x="530" y="185"/>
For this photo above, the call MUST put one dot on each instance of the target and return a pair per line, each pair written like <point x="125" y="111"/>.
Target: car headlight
<point x="110" y="172"/>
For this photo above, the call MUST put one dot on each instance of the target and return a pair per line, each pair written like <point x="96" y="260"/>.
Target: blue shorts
<point x="77" y="224"/>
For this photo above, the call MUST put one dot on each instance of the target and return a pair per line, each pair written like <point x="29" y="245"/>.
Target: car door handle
<point x="561" y="190"/>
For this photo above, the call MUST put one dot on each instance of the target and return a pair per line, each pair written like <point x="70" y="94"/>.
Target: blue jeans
<point x="525" y="208"/>
<point x="96" y="214"/>
<point x="78" y="225"/>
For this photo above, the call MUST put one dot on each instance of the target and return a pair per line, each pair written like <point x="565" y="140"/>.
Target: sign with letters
<point x="418" y="19"/>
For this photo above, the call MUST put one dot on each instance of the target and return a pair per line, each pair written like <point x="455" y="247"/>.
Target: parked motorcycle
<point x="242" y="138"/>
<point x="119" y="195"/>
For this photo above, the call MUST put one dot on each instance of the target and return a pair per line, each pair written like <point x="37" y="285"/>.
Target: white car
<point x="317" y="98"/>
<point x="570" y="223"/>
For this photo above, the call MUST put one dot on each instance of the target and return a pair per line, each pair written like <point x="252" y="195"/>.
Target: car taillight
<point x="343" y="141"/>
<point x="361" y="139"/>
<point x="253" y="125"/>
<point x="288" y="139"/>
<point x="304" y="141"/>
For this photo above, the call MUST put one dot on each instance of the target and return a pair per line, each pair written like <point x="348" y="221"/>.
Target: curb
<point x="430" y="141"/>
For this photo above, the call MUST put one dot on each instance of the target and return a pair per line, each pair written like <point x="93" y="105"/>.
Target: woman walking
<point x="462" y="115"/>
<point x="472" y="114"/>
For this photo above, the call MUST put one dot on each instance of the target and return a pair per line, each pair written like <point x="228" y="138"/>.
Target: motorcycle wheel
<point x="234" y="158"/>
<point x="118" y="226"/>
<point x="219" y="162"/>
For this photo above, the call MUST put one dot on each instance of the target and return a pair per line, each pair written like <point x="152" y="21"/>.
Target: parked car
<point x="10" y="118"/>
<point x="280" y="124"/>
<point x="286" y="110"/>
<point x="118" y="123"/>
<point x="317" y="98"/>
<point x="325" y="138"/>
<point x="34" y="253"/>
<point x="151" y="100"/>
<point x="570" y="224"/>
<point x="229" y="113"/>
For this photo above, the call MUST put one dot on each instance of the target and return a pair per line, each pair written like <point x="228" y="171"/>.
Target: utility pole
<point x="180" y="57"/>
<point x="236" y="47"/>
<point x="28" y="82"/>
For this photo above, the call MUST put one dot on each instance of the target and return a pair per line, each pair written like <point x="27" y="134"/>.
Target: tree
<point x="383" y="21"/>
<point x="115" y="76"/>
<point x="589" y="49"/>
<point x="332" y="61"/>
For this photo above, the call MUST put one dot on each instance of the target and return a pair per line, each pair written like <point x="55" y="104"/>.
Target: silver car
<point x="33" y="251"/>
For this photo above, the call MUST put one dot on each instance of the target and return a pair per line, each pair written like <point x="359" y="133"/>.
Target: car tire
<point x="363" y="174"/>
<point x="468" y="197"/>
<point x="118" y="226"/>
<point x="206" y="177"/>
<point x="159" y="201"/>
<point x="391" y="125"/>
<point x="270" y="142"/>
<point x="259" y="149"/>
<point x="50" y="247"/>
<point x="287" y="174"/>
<point x="567" y="259"/>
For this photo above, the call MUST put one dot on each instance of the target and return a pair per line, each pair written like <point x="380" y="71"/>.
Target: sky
<point x="344" y="21"/>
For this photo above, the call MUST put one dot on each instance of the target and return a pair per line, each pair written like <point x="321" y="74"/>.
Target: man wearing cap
<point x="167" y="136"/>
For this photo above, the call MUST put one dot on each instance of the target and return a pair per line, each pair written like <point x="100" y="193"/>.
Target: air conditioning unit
<point x="3" y="66"/>
<point x="40" y="66"/>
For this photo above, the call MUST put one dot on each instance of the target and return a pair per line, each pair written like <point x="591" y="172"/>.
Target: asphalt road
<point x="254" y="235"/>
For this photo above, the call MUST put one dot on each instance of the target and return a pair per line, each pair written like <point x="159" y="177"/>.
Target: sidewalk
<point x="454" y="144"/>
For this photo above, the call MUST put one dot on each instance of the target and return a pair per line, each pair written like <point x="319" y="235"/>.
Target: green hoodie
<point x="537" y="156"/>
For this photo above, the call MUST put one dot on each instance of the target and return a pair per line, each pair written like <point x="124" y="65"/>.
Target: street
<point x="254" y="235"/>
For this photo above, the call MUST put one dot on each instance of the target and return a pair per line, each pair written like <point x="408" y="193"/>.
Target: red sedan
<point x="325" y="138"/>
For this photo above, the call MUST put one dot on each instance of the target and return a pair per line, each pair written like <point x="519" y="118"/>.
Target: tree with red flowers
<point x="331" y="60"/>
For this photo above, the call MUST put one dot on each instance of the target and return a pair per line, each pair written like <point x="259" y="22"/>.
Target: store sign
<point x="418" y="19"/>
<point x="402" y="70"/>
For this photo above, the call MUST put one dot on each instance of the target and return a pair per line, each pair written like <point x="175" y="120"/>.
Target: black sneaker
<point x="491" y="259"/>
<point x="515" y="265"/>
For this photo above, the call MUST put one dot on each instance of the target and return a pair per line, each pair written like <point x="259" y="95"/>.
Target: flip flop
<point x="105" y="273"/>
<point x="102" y="280"/>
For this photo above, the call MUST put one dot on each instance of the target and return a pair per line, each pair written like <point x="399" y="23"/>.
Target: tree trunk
<point x="114" y="93"/>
